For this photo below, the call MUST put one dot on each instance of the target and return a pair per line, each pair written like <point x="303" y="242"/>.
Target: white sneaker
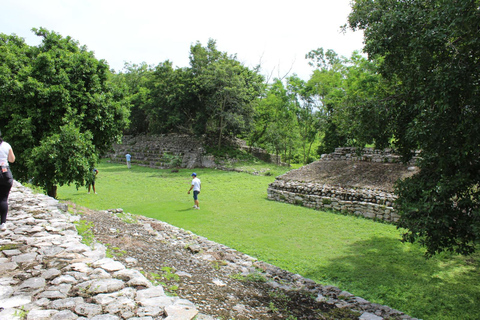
<point x="3" y="226"/>
<point x="194" y="207"/>
<point x="198" y="208"/>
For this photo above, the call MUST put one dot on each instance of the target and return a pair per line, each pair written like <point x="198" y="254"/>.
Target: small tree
<point x="65" y="157"/>
<point x="326" y="85"/>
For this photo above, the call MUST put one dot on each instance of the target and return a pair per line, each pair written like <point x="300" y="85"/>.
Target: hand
<point x="188" y="192"/>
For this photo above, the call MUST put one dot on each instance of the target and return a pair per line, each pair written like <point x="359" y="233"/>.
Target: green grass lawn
<point x="361" y="256"/>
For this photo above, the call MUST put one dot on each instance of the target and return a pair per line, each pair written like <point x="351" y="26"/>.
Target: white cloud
<point x="276" y="33"/>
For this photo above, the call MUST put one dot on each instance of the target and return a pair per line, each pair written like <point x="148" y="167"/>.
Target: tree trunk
<point x="220" y="132"/>
<point x="52" y="191"/>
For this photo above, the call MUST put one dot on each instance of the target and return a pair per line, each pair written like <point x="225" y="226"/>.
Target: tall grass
<point x="361" y="256"/>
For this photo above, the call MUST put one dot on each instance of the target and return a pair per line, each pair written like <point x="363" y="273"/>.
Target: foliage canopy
<point x="430" y="54"/>
<point x="58" y="107"/>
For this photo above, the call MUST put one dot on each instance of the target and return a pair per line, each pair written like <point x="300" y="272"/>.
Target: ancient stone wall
<point x="366" y="154"/>
<point x="163" y="151"/>
<point x="175" y="150"/>
<point x="260" y="153"/>
<point x="374" y="204"/>
<point x="370" y="203"/>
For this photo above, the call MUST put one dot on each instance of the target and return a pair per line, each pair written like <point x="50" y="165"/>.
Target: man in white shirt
<point x="196" y="184"/>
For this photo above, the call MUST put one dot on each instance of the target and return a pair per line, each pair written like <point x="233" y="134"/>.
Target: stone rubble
<point x="48" y="273"/>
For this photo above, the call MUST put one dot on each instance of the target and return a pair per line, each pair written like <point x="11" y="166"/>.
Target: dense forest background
<point x="415" y="87"/>
<point x="219" y="97"/>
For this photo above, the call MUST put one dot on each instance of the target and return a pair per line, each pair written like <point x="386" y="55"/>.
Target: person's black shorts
<point x="195" y="195"/>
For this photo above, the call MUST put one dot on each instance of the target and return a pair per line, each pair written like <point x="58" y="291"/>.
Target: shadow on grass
<point x="443" y="287"/>
<point x="165" y="175"/>
<point x="115" y="167"/>
<point x="80" y="193"/>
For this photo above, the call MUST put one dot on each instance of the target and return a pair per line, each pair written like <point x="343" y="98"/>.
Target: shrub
<point x="326" y="201"/>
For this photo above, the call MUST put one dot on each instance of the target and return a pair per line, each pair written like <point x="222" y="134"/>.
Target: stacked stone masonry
<point x="260" y="153"/>
<point x="162" y="151"/>
<point x="369" y="203"/>
<point x="374" y="204"/>
<point x="366" y="154"/>
<point x="175" y="150"/>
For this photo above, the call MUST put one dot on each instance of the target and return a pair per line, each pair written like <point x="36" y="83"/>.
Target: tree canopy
<point x="429" y="51"/>
<point x="351" y="95"/>
<point x="215" y="96"/>
<point x="59" y="108"/>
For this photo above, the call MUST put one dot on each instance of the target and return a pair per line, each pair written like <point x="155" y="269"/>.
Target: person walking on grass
<point x="196" y="185"/>
<point x="6" y="179"/>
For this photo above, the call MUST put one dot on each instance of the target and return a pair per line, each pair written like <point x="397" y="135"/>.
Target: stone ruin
<point x="369" y="202"/>
<point x="368" y="155"/>
<point x="162" y="151"/>
<point x="175" y="150"/>
<point x="260" y="153"/>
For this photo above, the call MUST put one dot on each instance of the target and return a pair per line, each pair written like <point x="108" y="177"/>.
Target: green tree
<point x="306" y="112"/>
<point x="226" y="91"/>
<point x="172" y="105"/>
<point x="66" y="157"/>
<point x="135" y="78"/>
<point x="429" y="51"/>
<point x="275" y="122"/>
<point x="327" y="85"/>
<point x="57" y="95"/>
<point x="362" y="115"/>
<point x="352" y="96"/>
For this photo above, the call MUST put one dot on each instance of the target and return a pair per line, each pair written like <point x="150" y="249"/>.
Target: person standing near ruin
<point x="196" y="186"/>
<point x="6" y="180"/>
<point x="92" y="182"/>
<point x="128" y="157"/>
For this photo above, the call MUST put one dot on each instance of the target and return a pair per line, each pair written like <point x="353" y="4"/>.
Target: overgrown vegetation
<point x="253" y="277"/>
<point x="114" y="251"/>
<point x="429" y="54"/>
<point x="58" y="105"/>
<point x="21" y="313"/>
<point x="167" y="279"/>
<point x="84" y="229"/>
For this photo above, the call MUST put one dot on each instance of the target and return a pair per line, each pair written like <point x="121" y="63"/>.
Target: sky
<point x="273" y="34"/>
